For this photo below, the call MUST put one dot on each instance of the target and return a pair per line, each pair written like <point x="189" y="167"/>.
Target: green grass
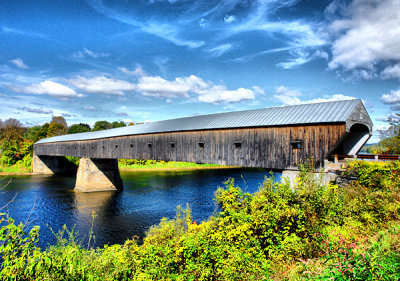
<point x="151" y="164"/>
<point x="18" y="168"/>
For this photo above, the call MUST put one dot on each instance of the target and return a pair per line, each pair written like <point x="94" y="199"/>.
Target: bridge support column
<point x="291" y="177"/>
<point x="50" y="165"/>
<point x="98" y="175"/>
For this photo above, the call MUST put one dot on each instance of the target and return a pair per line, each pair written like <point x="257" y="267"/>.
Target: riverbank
<point x="314" y="232"/>
<point x="19" y="169"/>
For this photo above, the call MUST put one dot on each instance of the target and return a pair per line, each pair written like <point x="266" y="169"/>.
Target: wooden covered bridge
<point x="273" y="138"/>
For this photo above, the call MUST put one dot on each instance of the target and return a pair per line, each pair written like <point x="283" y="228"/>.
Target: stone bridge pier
<point x="91" y="175"/>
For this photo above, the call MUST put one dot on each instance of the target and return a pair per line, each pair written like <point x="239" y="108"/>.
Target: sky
<point x="150" y="60"/>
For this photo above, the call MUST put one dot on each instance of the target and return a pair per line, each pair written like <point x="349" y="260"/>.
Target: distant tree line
<point x="16" y="141"/>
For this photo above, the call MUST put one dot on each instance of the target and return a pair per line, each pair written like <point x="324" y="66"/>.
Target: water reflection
<point x="147" y="197"/>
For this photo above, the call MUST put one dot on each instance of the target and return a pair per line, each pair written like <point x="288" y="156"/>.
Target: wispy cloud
<point x="88" y="53"/>
<point x="19" y="63"/>
<point x="89" y="108"/>
<point x="167" y="31"/>
<point x="15" y="31"/>
<point x="229" y="19"/>
<point x="36" y="110"/>
<point x="220" y="50"/>
<point x="138" y="71"/>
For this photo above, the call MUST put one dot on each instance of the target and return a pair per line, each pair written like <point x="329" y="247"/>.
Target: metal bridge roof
<point x="327" y="112"/>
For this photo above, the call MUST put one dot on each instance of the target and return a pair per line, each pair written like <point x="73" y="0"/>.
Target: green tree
<point x="56" y="129"/>
<point x="390" y="138"/>
<point x="79" y="128"/>
<point x="102" y="125"/>
<point x="12" y="145"/>
<point x="117" y="124"/>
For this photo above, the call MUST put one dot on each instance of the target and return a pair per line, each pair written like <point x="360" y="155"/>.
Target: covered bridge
<point x="273" y="138"/>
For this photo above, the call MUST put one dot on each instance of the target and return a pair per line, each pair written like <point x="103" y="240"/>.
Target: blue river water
<point x="148" y="196"/>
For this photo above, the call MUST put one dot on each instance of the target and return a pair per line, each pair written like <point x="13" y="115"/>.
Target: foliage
<point x="390" y="138"/>
<point x="117" y="124"/>
<point x="13" y="147"/>
<point x="59" y="120"/>
<point x="79" y="128"/>
<point x="56" y="129"/>
<point x="313" y="231"/>
<point x="102" y="125"/>
<point x="159" y="164"/>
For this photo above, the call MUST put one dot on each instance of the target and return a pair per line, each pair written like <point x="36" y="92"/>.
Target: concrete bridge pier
<point x="98" y="175"/>
<point x="50" y="165"/>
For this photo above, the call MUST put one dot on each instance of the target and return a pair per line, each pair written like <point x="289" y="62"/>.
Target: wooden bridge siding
<point x="260" y="147"/>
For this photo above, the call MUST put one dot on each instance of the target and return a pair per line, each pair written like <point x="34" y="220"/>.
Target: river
<point x="50" y="202"/>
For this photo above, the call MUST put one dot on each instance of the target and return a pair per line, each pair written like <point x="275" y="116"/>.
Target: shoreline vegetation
<point x="20" y="168"/>
<point x="320" y="232"/>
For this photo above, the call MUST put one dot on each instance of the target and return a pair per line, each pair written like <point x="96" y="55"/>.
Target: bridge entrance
<point x="353" y="140"/>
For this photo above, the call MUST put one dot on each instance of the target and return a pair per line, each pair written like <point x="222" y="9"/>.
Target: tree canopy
<point x="79" y="128"/>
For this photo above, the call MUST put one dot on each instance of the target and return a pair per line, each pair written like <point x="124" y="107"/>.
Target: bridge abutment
<point x="50" y="165"/>
<point x="98" y="175"/>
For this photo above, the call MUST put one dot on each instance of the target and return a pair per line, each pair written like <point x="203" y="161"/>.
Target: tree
<point x="79" y="128"/>
<point x="102" y="125"/>
<point x="117" y="124"/>
<point x="56" y="129"/>
<point x="390" y="138"/>
<point x="12" y="146"/>
<point x="60" y="120"/>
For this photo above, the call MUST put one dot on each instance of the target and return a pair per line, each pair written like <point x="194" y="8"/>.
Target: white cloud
<point x="392" y="71"/>
<point x="220" y="50"/>
<point x="392" y="98"/>
<point x="229" y="19"/>
<point x="203" y="23"/>
<point x="158" y="87"/>
<point x="289" y="96"/>
<point x="220" y="94"/>
<point x="369" y="35"/>
<point x="102" y="85"/>
<point x="19" y="63"/>
<point x="182" y="87"/>
<point x="47" y="88"/>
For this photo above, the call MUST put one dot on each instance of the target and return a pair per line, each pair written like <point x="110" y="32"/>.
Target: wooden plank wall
<point x="259" y="147"/>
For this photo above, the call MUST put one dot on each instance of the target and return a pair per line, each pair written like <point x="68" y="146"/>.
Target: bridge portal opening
<point x="353" y="141"/>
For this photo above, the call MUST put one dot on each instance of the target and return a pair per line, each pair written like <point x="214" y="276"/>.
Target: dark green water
<point x="50" y="202"/>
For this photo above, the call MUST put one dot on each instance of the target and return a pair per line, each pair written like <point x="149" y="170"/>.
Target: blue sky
<point x="152" y="60"/>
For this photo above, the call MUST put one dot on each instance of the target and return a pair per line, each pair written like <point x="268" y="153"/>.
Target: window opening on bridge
<point x="92" y="147"/>
<point x="200" y="144"/>
<point x="172" y="145"/>
<point x="116" y="146"/>
<point x="83" y="147"/>
<point x="237" y="144"/>
<point x="296" y="144"/>
<point x="103" y="147"/>
<point x="131" y="145"/>
<point x="149" y="145"/>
